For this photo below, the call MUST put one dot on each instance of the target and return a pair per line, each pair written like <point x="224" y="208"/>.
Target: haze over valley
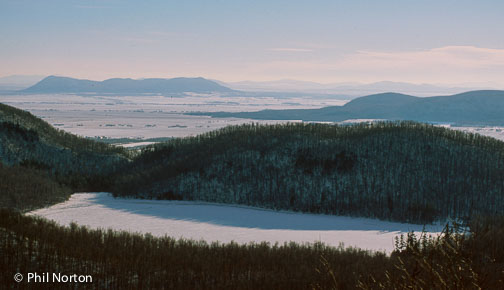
<point x="119" y="109"/>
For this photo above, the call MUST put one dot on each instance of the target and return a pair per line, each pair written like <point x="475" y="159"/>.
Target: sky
<point x="437" y="42"/>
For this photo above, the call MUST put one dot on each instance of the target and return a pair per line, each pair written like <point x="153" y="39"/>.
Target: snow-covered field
<point x="495" y="132"/>
<point x="150" y="116"/>
<point x="225" y="223"/>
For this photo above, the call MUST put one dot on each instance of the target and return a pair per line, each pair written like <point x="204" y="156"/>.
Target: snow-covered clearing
<point x="225" y="223"/>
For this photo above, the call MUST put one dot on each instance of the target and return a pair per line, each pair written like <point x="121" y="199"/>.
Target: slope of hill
<point x="23" y="122"/>
<point x="401" y="171"/>
<point x="40" y="164"/>
<point x="55" y="84"/>
<point x="470" y="108"/>
<point x="26" y="188"/>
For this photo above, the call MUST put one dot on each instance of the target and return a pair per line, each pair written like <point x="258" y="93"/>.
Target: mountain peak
<point x="59" y="84"/>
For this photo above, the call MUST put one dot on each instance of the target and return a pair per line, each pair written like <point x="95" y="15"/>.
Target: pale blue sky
<point x="324" y="41"/>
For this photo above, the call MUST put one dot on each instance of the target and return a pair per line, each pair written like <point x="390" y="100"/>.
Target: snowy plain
<point x="226" y="223"/>
<point x="155" y="116"/>
<point x="150" y="116"/>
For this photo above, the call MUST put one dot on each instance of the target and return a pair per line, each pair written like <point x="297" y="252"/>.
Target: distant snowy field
<point x="150" y="116"/>
<point x="495" y="132"/>
<point x="143" y="117"/>
<point x="225" y="223"/>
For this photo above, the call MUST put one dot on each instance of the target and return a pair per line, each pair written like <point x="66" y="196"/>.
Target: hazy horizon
<point x="20" y="78"/>
<point x="424" y="42"/>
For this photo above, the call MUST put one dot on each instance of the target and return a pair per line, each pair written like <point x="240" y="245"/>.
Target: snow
<point x="490" y="131"/>
<point x="225" y="223"/>
<point x="154" y="116"/>
<point x="150" y="116"/>
<point x="137" y="144"/>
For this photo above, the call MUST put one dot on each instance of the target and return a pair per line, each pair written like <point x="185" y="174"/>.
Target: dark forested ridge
<point x="40" y="165"/>
<point x="469" y="108"/>
<point x="403" y="171"/>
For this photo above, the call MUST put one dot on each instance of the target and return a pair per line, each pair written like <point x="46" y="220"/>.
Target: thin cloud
<point x="449" y="64"/>
<point x="290" y="49"/>
<point x="452" y="56"/>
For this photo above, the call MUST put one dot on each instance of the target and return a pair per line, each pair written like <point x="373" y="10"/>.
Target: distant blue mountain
<point x="470" y="108"/>
<point x="55" y="84"/>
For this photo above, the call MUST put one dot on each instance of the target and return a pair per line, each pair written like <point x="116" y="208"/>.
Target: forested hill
<point x="55" y="84"/>
<point x="403" y="171"/>
<point x="26" y="139"/>
<point x="48" y="134"/>
<point x="470" y="108"/>
<point x="40" y="161"/>
<point x="41" y="165"/>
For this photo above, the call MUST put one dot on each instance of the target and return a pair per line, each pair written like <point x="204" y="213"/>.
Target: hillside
<point x="26" y="138"/>
<point x="55" y="84"/>
<point x="470" y="108"/>
<point x="40" y="165"/>
<point x="402" y="171"/>
<point x="26" y="188"/>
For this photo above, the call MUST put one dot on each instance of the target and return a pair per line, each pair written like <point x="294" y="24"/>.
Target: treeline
<point x="122" y="260"/>
<point x="404" y="171"/>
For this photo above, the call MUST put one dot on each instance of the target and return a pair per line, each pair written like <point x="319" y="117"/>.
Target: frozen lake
<point x="225" y="223"/>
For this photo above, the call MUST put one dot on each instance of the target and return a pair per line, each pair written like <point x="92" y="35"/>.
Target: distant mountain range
<point x="55" y="84"/>
<point x="470" y="108"/>
<point x="28" y="84"/>
<point x="354" y="89"/>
